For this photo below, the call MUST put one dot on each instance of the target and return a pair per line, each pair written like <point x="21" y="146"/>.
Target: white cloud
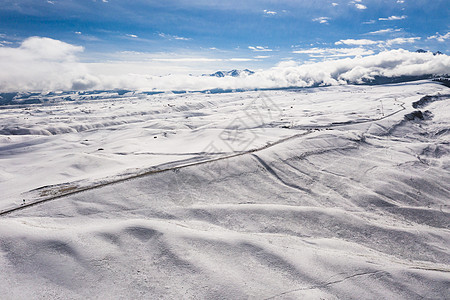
<point x="360" y="6"/>
<point x="400" y="1"/>
<point x="43" y="64"/>
<point x="241" y="59"/>
<point x="334" y="4"/>
<point x="269" y="12"/>
<point x="334" y="52"/>
<point x="393" y="18"/>
<point x="291" y="74"/>
<point x="187" y="59"/>
<point x="132" y="35"/>
<point x="262" y="56"/>
<point x="3" y="43"/>
<point x="181" y="38"/>
<point x="87" y="37"/>
<point x="260" y="49"/>
<point x="322" y="20"/>
<point x="369" y="22"/>
<point x="388" y="43"/>
<point x="399" y="41"/>
<point x="384" y="31"/>
<point x="439" y="37"/>
<point x="353" y="42"/>
<point x="173" y="37"/>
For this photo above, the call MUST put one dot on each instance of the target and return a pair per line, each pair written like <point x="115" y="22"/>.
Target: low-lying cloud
<point x="43" y="64"/>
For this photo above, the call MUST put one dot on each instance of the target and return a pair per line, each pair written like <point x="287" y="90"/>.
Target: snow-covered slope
<point x="324" y="193"/>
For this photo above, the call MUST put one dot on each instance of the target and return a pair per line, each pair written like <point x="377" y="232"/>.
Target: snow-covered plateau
<point x="337" y="192"/>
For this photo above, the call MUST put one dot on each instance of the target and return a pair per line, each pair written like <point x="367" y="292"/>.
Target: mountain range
<point x="232" y="73"/>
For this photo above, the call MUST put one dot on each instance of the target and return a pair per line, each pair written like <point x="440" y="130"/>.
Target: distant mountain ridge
<point x="425" y="51"/>
<point x="232" y="73"/>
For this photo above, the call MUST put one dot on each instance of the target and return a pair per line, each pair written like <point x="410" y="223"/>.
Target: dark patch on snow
<point x="424" y="101"/>
<point x="444" y="81"/>
<point x="378" y="80"/>
<point x="6" y="98"/>
<point x="417" y="114"/>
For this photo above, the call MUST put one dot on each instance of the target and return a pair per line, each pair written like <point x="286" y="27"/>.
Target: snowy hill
<point x="334" y="192"/>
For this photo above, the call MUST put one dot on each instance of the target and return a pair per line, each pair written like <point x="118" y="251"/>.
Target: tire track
<point x="326" y="284"/>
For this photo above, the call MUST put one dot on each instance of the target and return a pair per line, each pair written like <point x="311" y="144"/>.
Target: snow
<point x="311" y="193"/>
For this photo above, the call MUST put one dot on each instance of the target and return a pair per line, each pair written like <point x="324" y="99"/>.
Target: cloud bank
<point x="42" y="64"/>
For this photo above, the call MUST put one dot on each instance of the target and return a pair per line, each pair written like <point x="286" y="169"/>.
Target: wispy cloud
<point x="360" y="6"/>
<point x="240" y="59"/>
<point x="187" y="59"/>
<point x="384" y="31"/>
<point x="334" y="4"/>
<point x="87" y="37"/>
<point x="322" y="20"/>
<point x="262" y="56"/>
<point x="361" y="42"/>
<point x="393" y="18"/>
<point x="439" y="37"/>
<point x="200" y="59"/>
<point x="402" y="41"/>
<point x="173" y="37"/>
<point x="334" y="52"/>
<point x="388" y="43"/>
<point x="132" y="35"/>
<point x="260" y="48"/>
<point x="3" y="43"/>
<point x="269" y="12"/>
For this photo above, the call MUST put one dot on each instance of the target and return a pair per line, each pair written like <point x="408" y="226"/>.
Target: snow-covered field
<point x="319" y="193"/>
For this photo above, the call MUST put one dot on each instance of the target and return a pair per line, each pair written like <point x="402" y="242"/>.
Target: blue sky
<point x="208" y="35"/>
